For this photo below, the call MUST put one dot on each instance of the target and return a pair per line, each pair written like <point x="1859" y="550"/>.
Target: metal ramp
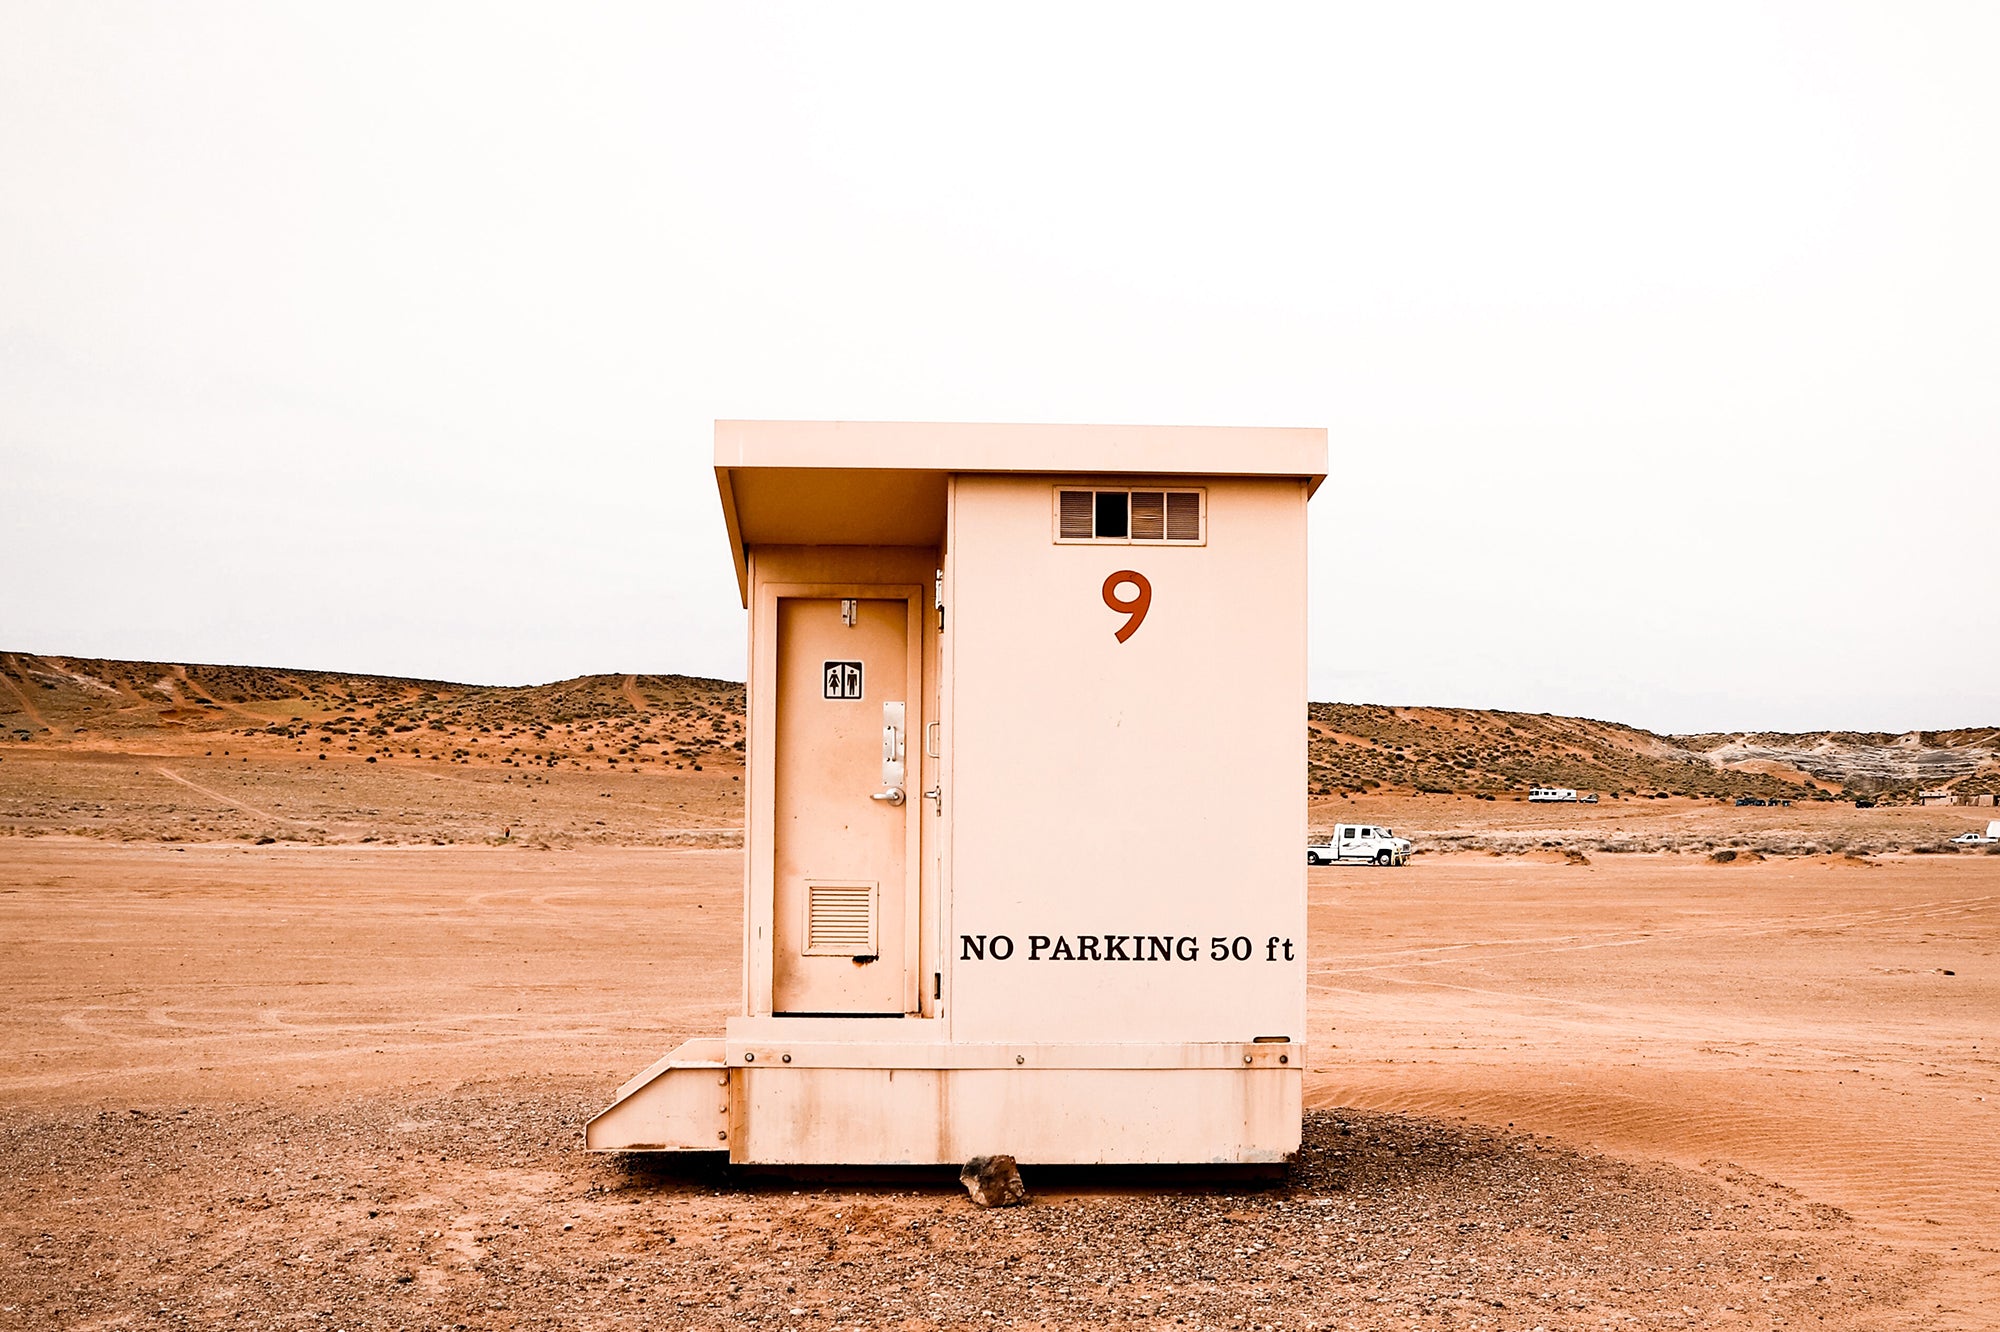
<point x="679" y="1104"/>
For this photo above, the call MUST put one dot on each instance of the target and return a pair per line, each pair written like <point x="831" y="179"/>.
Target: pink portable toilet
<point x="1026" y="792"/>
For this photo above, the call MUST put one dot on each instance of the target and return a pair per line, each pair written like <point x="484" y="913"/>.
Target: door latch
<point x="893" y="764"/>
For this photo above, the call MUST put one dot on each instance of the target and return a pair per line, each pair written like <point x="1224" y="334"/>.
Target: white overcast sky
<point x="1659" y="344"/>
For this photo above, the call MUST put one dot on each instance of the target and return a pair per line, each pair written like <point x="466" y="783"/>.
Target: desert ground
<point x="304" y="1041"/>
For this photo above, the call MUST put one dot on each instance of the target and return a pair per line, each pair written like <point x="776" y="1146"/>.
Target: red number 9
<point x="1136" y="607"/>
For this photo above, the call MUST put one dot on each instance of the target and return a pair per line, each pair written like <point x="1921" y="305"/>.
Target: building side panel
<point x="1120" y="800"/>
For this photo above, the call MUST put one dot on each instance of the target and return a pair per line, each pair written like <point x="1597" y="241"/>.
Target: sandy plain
<point x="307" y="997"/>
<point x="341" y="1084"/>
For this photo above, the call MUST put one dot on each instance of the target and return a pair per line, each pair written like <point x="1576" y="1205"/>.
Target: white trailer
<point x="1551" y="795"/>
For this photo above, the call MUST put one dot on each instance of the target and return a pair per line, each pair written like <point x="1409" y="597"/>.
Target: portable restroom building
<point x="1025" y="795"/>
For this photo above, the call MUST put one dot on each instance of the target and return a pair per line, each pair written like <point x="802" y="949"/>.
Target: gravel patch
<point x="479" y="1209"/>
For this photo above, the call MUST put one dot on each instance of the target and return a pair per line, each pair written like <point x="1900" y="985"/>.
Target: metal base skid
<point x="834" y="1091"/>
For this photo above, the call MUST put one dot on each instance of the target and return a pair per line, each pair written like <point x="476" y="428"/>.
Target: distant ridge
<point x="1363" y="747"/>
<point x="1352" y="747"/>
<point x="633" y="720"/>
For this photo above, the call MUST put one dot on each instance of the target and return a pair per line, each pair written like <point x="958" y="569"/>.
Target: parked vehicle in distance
<point x="1741" y="801"/>
<point x="1864" y="804"/>
<point x="1590" y="799"/>
<point x="1971" y="839"/>
<point x="1360" y="844"/>
<point x="1551" y="795"/>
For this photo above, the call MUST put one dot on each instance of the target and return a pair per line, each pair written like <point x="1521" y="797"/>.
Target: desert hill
<point x="143" y="751"/>
<point x="639" y="723"/>
<point x="1363" y="747"/>
<point x="592" y="721"/>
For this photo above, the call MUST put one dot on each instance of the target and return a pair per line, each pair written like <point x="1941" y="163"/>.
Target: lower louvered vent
<point x="840" y="920"/>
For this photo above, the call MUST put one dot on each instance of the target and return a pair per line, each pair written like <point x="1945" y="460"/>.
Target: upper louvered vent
<point x="1130" y="517"/>
<point x="1074" y="514"/>
<point x="841" y="920"/>
<point x="1149" y="515"/>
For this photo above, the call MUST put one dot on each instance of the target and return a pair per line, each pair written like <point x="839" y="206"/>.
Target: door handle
<point x="894" y="718"/>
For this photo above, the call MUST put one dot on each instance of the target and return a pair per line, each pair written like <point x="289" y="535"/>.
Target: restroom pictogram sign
<point x="841" y="679"/>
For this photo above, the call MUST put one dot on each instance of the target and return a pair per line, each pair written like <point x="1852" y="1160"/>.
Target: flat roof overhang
<point x="882" y="483"/>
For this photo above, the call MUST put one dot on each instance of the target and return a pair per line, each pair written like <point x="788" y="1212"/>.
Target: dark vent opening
<point x="1111" y="514"/>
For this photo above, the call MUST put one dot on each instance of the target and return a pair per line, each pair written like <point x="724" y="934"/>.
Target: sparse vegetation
<point x="660" y="724"/>
<point x="1354" y="748"/>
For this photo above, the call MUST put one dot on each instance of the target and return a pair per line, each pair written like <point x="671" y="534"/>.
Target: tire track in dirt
<point x="173" y="776"/>
<point x="1457" y="953"/>
<point x="629" y="686"/>
<point x="14" y="665"/>
<point x="1584" y="1018"/>
<point x="1898" y="1182"/>
<point x="162" y="1027"/>
<point x="292" y="1058"/>
<point x="181" y="672"/>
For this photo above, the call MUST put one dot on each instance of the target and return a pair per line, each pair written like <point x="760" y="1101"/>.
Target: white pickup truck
<point x="1974" y="839"/>
<point x="1358" y="844"/>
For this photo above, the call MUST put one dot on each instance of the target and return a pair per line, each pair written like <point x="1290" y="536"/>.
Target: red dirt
<point x="221" y="1059"/>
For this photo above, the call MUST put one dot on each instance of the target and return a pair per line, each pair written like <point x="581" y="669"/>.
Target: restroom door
<point x="843" y="801"/>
